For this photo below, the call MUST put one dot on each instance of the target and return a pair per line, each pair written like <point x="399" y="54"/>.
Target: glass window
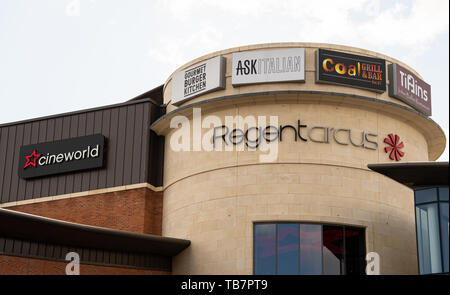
<point x="432" y="229"/>
<point x="428" y="242"/>
<point x="265" y="244"/>
<point x="287" y="251"/>
<point x="333" y="250"/>
<point x="310" y="249"/>
<point x="443" y="193"/>
<point x="355" y="251"/>
<point x="425" y="195"/>
<point x="445" y="233"/>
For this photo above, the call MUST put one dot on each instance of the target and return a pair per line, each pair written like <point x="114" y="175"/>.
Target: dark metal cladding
<point x="32" y="236"/>
<point x="101" y="257"/>
<point x="19" y="225"/>
<point x="133" y="153"/>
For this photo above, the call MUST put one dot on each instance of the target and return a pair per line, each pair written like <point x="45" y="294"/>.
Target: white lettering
<point x="94" y="152"/>
<point x="373" y="263"/>
<point x="68" y="156"/>
<point x="73" y="267"/>
<point x="59" y="158"/>
<point x="402" y="78"/>
<point x="193" y="285"/>
<point x="42" y="163"/>
<point x="180" y="139"/>
<point x="77" y="155"/>
<point x="411" y="83"/>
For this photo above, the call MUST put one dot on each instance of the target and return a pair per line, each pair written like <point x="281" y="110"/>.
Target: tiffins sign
<point x="62" y="156"/>
<point x="199" y="79"/>
<point x="409" y="88"/>
<point x="349" y="69"/>
<point x="265" y="66"/>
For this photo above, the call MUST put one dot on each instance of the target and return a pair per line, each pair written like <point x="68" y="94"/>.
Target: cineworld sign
<point x="62" y="156"/>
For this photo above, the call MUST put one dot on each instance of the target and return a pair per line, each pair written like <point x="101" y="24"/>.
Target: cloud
<point x="174" y="52"/>
<point x="364" y="23"/>
<point x="418" y="28"/>
<point x="184" y="10"/>
<point x="405" y="30"/>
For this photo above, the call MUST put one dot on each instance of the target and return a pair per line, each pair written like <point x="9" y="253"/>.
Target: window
<point x="432" y="229"/>
<point x="287" y="249"/>
<point x="265" y="249"/>
<point x="308" y="249"/>
<point x="333" y="250"/>
<point x="311" y="249"/>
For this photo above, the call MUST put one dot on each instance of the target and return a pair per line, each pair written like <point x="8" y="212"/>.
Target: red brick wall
<point x="11" y="265"/>
<point x="136" y="210"/>
<point x="153" y="213"/>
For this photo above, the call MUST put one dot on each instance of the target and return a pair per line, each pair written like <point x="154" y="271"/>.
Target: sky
<point x="59" y="56"/>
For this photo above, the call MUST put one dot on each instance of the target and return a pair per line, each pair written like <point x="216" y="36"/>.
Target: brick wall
<point x="135" y="210"/>
<point x="10" y="265"/>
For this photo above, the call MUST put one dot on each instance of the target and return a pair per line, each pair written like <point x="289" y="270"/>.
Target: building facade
<point x="429" y="180"/>
<point x="88" y="182"/>
<point x="254" y="159"/>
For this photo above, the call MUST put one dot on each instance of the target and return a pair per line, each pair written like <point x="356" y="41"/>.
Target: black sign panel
<point x="349" y="69"/>
<point x="63" y="156"/>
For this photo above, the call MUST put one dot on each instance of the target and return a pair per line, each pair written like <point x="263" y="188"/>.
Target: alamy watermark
<point x="73" y="8"/>
<point x="236" y="133"/>
<point x="73" y="267"/>
<point x="373" y="263"/>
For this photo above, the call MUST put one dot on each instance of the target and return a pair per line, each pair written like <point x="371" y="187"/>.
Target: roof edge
<point x="414" y="174"/>
<point x="37" y="119"/>
<point x="28" y="226"/>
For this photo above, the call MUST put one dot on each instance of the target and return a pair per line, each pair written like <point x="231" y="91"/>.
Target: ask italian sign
<point x="199" y="79"/>
<point x="62" y="156"/>
<point x="268" y="66"/>
<point x="352" y="70"/>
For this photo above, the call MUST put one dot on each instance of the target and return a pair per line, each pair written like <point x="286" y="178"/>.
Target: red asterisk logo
<point x="394" y="147"/>
<point x="31" y="161"/>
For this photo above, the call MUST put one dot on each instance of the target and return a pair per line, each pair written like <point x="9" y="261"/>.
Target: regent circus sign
<point x="253" y="136"/>
<point x="250" y="133"/>
<point x="349" y="69"/>
<point x="62" y="156"/>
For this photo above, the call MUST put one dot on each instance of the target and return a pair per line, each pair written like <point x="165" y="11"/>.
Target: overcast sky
<point x="64" y="55"/>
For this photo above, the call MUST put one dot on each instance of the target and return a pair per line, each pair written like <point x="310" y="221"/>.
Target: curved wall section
<point x="318" y="173"/>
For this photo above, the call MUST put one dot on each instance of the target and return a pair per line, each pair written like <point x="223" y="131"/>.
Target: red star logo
<point x="394" y="147"/>
<point x="30" y="161"/>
